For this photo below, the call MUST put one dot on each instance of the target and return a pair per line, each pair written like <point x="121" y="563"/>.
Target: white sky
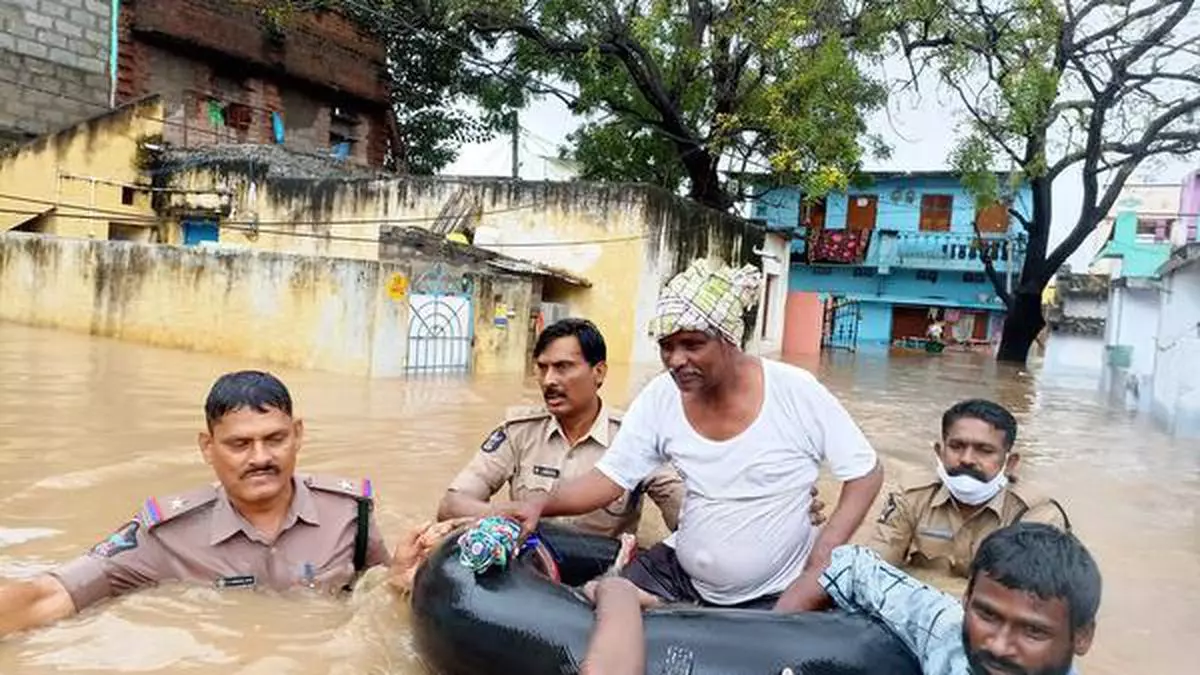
<point x="920" y="129"/>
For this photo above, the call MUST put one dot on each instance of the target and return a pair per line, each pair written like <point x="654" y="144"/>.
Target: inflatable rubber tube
<point x="516" y="622"/>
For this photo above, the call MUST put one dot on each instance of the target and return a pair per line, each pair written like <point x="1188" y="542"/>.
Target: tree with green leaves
<point x="678" y="90"/>
<point x="1051" y="87"/>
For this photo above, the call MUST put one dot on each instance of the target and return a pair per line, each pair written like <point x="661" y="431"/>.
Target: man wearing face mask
<point x="938" y="522"/>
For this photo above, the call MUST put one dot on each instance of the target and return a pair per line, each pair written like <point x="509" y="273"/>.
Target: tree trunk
<point x="1021" y="327"/>
<point x="706" y="187"/>
<point x="707" y="190"/>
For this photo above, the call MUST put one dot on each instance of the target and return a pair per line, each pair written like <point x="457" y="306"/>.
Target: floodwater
<point x="90" y="427"/>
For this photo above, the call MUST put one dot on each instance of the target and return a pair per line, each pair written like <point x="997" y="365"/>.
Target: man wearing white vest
<point x="748" y="436"/>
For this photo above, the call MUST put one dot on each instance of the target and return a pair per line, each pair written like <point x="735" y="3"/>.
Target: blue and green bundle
<point x="494" y="541"/>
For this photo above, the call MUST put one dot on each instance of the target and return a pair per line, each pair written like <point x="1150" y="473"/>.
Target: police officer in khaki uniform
<point x="940" y="520"/>
<point x="260" y="526"/>
<point x="536" y="447"/>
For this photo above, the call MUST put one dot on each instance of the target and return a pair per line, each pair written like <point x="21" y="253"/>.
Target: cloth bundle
<point x="494" y="541"/>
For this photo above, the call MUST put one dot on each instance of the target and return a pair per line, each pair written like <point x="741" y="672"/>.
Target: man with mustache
<point x="748" y="437"/>
<point x="1029" y="609"/>
<point x="537" y="447"/>
<point x="261" y="525"/>
<point x="937" y="522"/>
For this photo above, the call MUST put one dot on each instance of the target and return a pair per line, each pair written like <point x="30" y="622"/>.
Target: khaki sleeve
<point x="1048" y="512"/>
<point x="894" y="530"/>
<point x="489" y="469"/>
<point x="127" y="560"/>
<point x="666" y="488"/>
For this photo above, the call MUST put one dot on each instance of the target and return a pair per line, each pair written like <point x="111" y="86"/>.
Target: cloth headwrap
<point x="707" y="297"/>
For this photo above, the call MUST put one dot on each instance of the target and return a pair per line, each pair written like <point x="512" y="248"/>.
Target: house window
<point x="196" y="232"/>
<point x="861" y="212"/>
<point x="992" y="219"/>
<point x="126" y="195"/>
<point x="935" y="213"/>
<point x="343" y="132"/>
<point x="974" y="277"/>
<point x="238" y="116"/>
<point x="812" y="213"/>
<point x="927" y="275"/>
<point x="127" y="232"/>
<point x="1154" y="229"/>
<point x="864" y="271"/>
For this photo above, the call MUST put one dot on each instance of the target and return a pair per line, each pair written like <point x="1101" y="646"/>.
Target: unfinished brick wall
<point x="60" y="47"/>
<point x="318" y="47"/>
<point x="322" y="62"/>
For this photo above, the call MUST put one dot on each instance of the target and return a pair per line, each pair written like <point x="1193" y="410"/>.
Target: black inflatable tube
<point x="516" y="622"/>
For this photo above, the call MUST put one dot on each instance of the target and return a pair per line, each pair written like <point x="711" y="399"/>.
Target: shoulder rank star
<point x="178" y="503"/>
<point x="346" y="485"/>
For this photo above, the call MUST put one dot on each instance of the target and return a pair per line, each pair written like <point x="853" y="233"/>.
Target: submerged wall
<point x="298" y="311"/>
<point x="626" y="240"/>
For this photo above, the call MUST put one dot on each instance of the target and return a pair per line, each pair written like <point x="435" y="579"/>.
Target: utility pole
<point x="516" y="145"/>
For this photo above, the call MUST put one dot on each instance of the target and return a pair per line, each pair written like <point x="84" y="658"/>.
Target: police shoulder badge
<point x="123" y="539"/>
<point x="494" y="440"/>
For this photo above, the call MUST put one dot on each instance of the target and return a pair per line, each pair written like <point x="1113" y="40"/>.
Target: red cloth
<point x="838" y="246"/>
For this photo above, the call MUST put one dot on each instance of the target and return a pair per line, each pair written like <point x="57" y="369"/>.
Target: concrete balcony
<point x="955" y="251"/>
<point x="885" y="249"/>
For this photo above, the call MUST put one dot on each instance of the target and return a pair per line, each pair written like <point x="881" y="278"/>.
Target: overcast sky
<point x="920" y="129"/>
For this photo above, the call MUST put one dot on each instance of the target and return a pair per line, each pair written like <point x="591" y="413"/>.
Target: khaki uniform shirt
<point x="923" y="526"/>
<point x="198" y="536"/>
<point x="530" y="452"/>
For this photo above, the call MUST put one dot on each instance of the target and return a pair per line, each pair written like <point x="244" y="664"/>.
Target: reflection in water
<point x="90" y="427"/>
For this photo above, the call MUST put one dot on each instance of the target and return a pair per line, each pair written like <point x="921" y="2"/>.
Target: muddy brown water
<point x="90" y="427"/>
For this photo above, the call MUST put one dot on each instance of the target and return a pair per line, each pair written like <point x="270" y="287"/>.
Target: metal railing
<point x="944" y="250"/>
<point x="884" y="248"/>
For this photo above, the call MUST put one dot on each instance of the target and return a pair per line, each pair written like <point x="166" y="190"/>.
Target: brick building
<point x="310" y="81"/>
<point x="54" y="64"/>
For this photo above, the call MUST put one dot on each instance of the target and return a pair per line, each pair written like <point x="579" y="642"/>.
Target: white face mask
<point x="970" y="490"/>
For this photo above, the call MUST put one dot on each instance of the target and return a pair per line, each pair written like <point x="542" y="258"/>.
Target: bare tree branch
<point x="1020" y="218"/>
<point x="989" y="267"/>
<point x="987" y="126"/>
<point x="1115" y="29"/>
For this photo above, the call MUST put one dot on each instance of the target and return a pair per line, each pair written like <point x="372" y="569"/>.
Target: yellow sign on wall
<point x="397" y="287"/>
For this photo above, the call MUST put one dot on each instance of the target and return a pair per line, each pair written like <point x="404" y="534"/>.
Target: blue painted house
<point x="898" y="255"/>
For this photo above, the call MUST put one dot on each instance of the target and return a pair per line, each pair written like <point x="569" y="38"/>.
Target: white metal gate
<point x="440" y="326"/>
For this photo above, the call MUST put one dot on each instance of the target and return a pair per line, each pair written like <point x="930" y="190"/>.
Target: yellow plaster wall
<point x="309" y="217"/>
<point x="300" y="311"/>
<point x="597" y="232"/>
<point x="75" y="175"/>
<point x="502" y="308"/>
<point x="303" y="312"/>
